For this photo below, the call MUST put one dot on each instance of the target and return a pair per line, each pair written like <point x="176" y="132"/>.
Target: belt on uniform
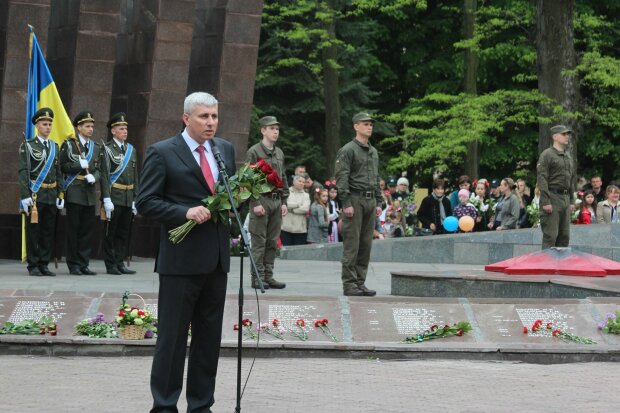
<point x="48" y="186"/>
<point x="122" y="187"/>
<point x="364" y="194"/>
<point x="559" y="191"/>
<point x="273" y="195"/>
<point x="80" y="177"/>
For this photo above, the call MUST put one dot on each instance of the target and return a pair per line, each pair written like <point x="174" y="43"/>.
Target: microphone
<point x="218" y="157"/>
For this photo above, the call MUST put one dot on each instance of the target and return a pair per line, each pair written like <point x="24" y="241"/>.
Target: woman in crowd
<point x="524" y="194"/>
<point x="507" y="209"/>
<point x="464" y="183"/>
<point x="294" y="224"/>
<point x="607" y="211"/>
<point x="333" y="213"/>
<point x="435" y="208"/>
<point x="402" y="189"/>
<point x="318" y="226"/>
<point x="587" y="209"/>
<point x="481" y="191"/>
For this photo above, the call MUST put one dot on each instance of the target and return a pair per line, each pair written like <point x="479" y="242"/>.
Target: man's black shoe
<point x="35" y="272"/>
<point x="113" y="271"/>
<point x="353" y="292"/>
<point x="46" y="271"/>
<point x="272" y="283"/>
<point x="366" y="291"/>
<point x="75" y="271"/>
<point x="125" y="270"/>
<point x="87" y="271"/>
<point x="255" y="284"/>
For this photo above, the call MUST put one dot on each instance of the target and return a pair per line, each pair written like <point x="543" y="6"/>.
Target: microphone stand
<point x="244" y="242"/>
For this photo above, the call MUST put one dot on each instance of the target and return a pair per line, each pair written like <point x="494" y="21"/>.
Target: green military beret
<point x="268" y="121"/>
<point x="86" y="116"/>
<point x="362" y="117"/>
<point x="43" y="114"/>
<point x="117" y="119"/>
<point x="560" y="129"/>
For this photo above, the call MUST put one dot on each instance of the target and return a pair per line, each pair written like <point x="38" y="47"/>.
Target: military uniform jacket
<point x="555" y="172"/>
<point x="275" y="158"/>
<point x="357" y="171"/>
<point x="80" y="191"/>
<point x="35" y="150"/>
<point x="113" y="159"/>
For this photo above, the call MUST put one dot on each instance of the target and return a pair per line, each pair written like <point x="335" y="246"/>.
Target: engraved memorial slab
<point x="393" y="321"/>
<point x="287" y="312"/>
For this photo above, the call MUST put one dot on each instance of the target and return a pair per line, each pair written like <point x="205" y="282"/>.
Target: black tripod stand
<point x="244" y="243"/>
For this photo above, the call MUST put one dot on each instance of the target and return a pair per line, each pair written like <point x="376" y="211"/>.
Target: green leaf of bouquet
<point x="264" y="188"/>
<point x="245" y="195"/>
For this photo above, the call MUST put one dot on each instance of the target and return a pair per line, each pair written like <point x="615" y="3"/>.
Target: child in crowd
<point x="435" y="208"/>
<point x="465" y="207"/>
<point x="333" y="213"/>
<point x="396" y="227"/>
<point x="318" y="226"/>
<point x="481" y="192"/>
<point x="587" y="210"/>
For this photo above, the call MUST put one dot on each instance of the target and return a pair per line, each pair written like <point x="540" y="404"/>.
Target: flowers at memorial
<point x="611" y="325"/>
<point x="274" y="329"/>
<point x="250" y="181"/>
<point x="45" y="325"/>
<point x="436" y="331"/>
<point x="322" y="324"/>
<point x="549" y="329"/>
<point x="533" y="214"/>
<point x="96" y="327"/>
<point x="298" y="329"/>
<point x="248" y="329"/>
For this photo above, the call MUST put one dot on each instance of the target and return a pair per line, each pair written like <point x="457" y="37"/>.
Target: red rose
<point x="121" y="313"/>
<point x="459" y="332"/>
<point x="140" y="312"/>
<point x="524" y="330"/>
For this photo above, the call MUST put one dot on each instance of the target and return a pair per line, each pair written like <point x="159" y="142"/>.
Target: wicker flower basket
<point x="134" y="332"/>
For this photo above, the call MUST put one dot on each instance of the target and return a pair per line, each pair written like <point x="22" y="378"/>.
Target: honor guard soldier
<point x="81" y="160"/>
<point x="556" y="180"/>
<point x="357" y="177"/>
<point x="41" y="192"/>
<point x="120" y="159"/>
<point x="266" y="213"/>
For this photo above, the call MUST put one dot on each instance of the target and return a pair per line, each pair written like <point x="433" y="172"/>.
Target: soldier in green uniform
<point x="266" y="213"/>
<point x="81" y="160"/>
<point x="41" y="193"/>
<point x="556" y="180"/>
<point x="121" y="162"/>
<point x="357" y="178"/>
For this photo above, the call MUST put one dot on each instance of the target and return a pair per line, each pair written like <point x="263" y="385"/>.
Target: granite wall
<point x="138" y="56"/>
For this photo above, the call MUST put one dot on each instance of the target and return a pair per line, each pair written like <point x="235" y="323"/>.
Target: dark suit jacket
<point x="171" y="183"/>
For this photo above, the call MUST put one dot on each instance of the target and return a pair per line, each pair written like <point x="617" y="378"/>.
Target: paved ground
<point x="58" y="384"/>
<point x="110" y="385"/>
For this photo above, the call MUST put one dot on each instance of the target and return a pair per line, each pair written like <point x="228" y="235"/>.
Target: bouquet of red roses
<point x="250" y="181"/>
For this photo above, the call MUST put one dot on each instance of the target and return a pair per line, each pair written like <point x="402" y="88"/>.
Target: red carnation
<point x="556" y="333"/>
<point x="275" y="322"/>
<point x="325" y="321"/>
<point x="236" y="327"/>
<point x="140" y="312"/>
<point x="434" y="327"/>
<point x="459" y="332"/>
<point x="549" y="326"/>
<point x="317" y="323"/>
<point x="121" y="313"/>
<point x="300" y="323"/>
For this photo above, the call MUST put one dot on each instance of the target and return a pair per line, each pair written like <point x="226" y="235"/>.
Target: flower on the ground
<point x="298" y="329"/>
<point x="250" y="181"/>
<point x="45" y="325"/>
<point x="556" y="332"/>
<point x="274" y="329"/>
<point x="96" y="327"/>
<point x="611" y="325"/>
<point x="248" y="331"/>
<point x="456" y="329"/>
<point x="131" y="315"/>
<point x="322" y="324"/>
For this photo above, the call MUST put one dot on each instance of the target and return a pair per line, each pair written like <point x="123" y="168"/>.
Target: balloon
<point x="450" y="224"/>
<point x="466" y="223"/>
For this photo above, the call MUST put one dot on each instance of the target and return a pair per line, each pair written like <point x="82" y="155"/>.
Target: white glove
<point x="134" y="210"/>
<point x="27" y="202"/>
<point x="90" y="178"/>
<point x="108" y="206"/>
<point x="60" y="203"/>
<point x="83" y="163"/>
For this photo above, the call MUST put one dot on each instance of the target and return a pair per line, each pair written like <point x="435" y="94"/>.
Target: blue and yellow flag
<point x="42" y="93"/>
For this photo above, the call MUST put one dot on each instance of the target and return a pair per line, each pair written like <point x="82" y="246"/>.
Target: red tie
<point x="206" y="169"/>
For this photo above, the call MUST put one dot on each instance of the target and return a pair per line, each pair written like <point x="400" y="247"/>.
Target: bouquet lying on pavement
<point x="456" y="329"/>
<point x="250" y="181"/>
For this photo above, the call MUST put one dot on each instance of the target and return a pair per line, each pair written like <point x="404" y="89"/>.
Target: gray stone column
<point x="224" y="58"/>
<point x="14" y="36"/>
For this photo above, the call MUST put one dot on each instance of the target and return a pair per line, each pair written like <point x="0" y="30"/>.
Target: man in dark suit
<point x="178" y="173"/>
